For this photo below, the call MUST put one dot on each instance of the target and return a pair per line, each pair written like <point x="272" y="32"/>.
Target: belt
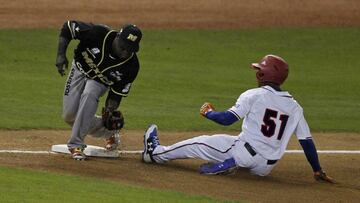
<point x="253" y="153"/>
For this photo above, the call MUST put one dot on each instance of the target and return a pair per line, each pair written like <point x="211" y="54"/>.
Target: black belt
<point x="253" y="153"/>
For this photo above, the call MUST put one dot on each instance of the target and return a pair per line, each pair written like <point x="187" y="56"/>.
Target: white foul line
<point x="26" y="152"/>
<point x="50" y="152"/>
<point x="139" y="152"/>
<point x="326" y="151"/>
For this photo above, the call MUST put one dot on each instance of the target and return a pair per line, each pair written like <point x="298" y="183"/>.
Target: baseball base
<point x="90" y="150"/>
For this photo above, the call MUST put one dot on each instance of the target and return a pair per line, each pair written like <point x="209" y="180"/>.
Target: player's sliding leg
<point x="216" y="148"/>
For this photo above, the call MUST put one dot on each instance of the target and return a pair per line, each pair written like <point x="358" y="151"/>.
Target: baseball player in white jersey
<point x="270" y="116"/>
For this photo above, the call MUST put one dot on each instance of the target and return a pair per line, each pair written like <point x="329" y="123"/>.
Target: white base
<point x="90" y="150"/>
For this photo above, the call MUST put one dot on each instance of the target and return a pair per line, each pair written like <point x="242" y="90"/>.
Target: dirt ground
<point x="291" y="179"/>
<point x="181" y="13"/>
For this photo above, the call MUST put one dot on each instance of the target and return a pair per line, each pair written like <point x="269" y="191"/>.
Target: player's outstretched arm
<point x="312" y="157"/>
<point x="222" y="118"/>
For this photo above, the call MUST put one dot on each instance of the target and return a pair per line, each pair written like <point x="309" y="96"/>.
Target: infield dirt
<point x="291" y="179"/>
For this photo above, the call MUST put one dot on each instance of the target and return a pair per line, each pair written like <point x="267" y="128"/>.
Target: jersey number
<point x="269" y="126"/>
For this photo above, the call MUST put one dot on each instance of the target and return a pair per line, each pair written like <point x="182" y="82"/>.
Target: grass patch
<point x="17" y="185"/>
<point x="181" y="69"/>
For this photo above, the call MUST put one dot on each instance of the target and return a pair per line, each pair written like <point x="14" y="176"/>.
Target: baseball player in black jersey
<point x="104" y="60"/>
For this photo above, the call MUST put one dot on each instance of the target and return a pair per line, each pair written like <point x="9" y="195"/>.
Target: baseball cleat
<point x="113" y="142"/>
<point x="77" y="153"/>
<point x="151" y="141"/>
<point x="221" y="168"/>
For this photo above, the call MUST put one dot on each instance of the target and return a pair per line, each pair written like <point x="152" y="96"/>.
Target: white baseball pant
<point x="215" y="148"/>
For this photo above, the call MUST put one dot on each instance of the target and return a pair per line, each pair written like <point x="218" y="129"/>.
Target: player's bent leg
<point x="74" y="87"/>
<point x="87" y="109"/>
<point x="216" y="148"/>
<point x="98" y="129"/>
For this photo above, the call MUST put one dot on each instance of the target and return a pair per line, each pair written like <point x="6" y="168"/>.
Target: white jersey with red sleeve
<point x="270" y="118"/>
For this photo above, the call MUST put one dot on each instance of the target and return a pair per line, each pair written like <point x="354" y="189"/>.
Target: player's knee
<point x="86" y="95"/>
<point x="68" y="117"/>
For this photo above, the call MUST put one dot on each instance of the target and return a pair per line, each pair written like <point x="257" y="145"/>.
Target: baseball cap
<point x="131" y="36"/>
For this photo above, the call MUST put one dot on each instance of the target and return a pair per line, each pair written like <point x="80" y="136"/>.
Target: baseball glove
<point x="112" y="120"/>
<point x="205" y="108"/>
<point x="322" y="177"/>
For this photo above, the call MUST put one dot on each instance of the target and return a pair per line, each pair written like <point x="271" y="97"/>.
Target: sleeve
<point x="311" y="153"/>
<point x="75" y="29"/>
<point x="302" y="130"/>
<point x="303" y="134"/>
<point x="222" y="118"/>
<point x="242" y="106"/>
<point x="122" y="88"/>
<point x="116" y="95"/>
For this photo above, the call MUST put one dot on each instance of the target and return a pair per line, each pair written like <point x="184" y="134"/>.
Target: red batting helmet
<point x="271" y="69"/>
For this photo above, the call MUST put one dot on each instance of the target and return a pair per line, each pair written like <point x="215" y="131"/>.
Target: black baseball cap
<point x="131" y="36"/>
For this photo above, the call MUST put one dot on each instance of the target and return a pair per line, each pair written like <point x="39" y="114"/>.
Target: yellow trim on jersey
<point x="71" y="32"/>
<point x="103" y="47"/>
<point x="124" y="95"/>
<point x="103" y="53"/>
<point x="132" y="54"/>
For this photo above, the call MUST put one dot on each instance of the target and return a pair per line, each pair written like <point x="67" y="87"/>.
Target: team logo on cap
<point x="132" y="37"/>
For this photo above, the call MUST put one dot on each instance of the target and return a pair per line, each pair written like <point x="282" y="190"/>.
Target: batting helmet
<point x="271" y="68"/>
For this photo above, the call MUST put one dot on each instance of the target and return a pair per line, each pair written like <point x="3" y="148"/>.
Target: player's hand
<point x="322" y="177"/>
<point x="205" y="108"/>
<point x="62" y="63"/>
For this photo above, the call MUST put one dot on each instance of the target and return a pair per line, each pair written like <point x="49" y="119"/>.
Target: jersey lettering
<point x="94" y="68"/>
<point x="269" y="126"/>
<point x="127" y="88"/>
<point x="79" y="66"/>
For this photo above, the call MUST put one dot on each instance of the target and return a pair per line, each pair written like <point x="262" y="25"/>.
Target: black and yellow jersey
<point x="93" y="58"/>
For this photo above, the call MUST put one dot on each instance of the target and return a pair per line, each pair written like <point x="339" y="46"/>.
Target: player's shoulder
<point x="134" y="63"/>
<point x="253" y="92"/>
<point x="250" y="95"/>
<point x="259" y="92"/>
<point x="101" y="29"/>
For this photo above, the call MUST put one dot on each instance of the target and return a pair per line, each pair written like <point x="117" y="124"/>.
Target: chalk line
<point x="50" y="152"/>
<point x="326" y="151"/>
<point x="140" y="151"/>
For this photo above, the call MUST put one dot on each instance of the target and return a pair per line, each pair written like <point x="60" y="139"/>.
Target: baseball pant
<point x="80" y="102"/>
<point x="215" y="148"/>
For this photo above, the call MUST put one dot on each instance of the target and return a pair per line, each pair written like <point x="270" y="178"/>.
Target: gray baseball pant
<point x="80" y="102"/>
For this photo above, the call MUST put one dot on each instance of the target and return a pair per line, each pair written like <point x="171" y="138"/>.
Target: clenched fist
<point x="205" y="108"/>
<point x="62" y="63"/>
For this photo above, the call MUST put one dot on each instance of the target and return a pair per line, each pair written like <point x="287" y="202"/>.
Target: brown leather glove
<point x="112" y="120"/>
<point x="205" y="108"/>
